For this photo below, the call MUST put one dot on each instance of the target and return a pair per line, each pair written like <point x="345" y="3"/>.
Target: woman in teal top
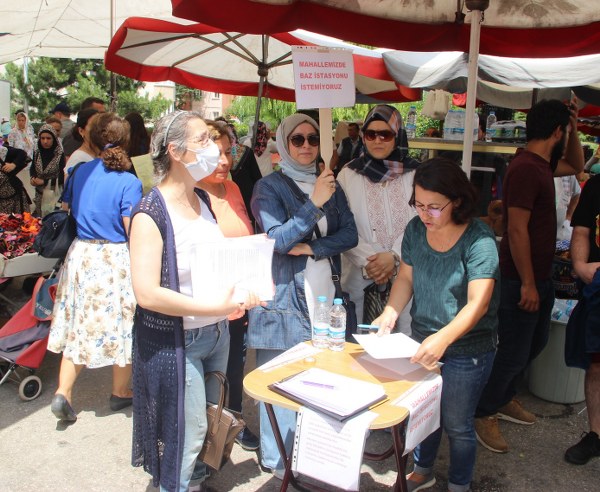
<point x="449" y="268"/>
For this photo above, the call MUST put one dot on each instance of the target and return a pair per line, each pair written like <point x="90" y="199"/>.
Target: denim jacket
<point x="289" y="219"/>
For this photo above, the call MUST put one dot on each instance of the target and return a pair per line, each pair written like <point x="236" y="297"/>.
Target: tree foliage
<point x="272" y="111"/>
<point x="52" y="80"/>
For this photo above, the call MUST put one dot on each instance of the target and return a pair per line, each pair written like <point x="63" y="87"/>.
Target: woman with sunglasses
<point x="289" y="206"/>
<point x="378" y="185"/>
<point x="450" y="269"/>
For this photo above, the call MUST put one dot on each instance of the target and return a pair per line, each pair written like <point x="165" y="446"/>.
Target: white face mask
<point x="207" y="160"/>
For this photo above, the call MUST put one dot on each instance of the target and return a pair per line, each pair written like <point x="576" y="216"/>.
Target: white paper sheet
<point x="423" y="402"/>
<point x="243" y="262"/>
<point x="329" y="450"/>
<point x="393" y="346"/>
<point x="297" y="352"/>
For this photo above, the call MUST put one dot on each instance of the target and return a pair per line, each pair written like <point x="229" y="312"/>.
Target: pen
<point x="318" y="385"/>
<point x="369" y="327"/>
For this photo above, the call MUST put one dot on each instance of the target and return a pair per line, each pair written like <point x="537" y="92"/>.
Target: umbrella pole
<point x="257" y="112"/>
<point x="476" y="18"/>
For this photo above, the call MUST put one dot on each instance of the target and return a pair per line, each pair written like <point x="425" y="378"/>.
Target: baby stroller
<point x="23" y="339"/>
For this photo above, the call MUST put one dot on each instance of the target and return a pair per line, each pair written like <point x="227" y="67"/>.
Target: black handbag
<point x="58" y="231"/>
<point x="375" y="299"/>
<point x="56" y="234"/>
<point x="349" y="306"/>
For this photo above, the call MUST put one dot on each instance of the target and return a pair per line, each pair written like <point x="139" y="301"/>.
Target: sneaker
<point x="513" y="411"/>
<point x="488" y="434"/>
<point x="585" y="449"/>
<point x="247" y="440"/>
<point x="413" y="485"/>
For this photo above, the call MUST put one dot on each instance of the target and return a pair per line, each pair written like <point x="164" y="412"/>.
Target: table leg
<point x="399" y="438"/>
<point x="396" y="449"/>
<point x="287" y="476"/>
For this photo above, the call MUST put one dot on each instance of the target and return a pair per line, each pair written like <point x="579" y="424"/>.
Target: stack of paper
<point x="338" y="396"/>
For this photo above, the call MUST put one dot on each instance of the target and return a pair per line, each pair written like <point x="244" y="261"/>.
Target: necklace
<point x="195" y="206"/>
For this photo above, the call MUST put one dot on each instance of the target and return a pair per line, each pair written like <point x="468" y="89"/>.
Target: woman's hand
<point x="252" y="300"/>
<point x="37" y="182"/>
<point x="301" y="249"/>
<point x="431" y="351"/>
<point x="9" y="167"/>
<point x="380" y="267"/>
<point x="324" y="188"/>
<point x="386" y="321"/>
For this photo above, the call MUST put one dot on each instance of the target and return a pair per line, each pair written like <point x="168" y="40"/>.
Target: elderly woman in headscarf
<point x="48" y="164"/>
<point x="22" y="135"/>
<point x="378" y="184"/>
<point x="13" y="196"/>
<point x="289" y="206"/>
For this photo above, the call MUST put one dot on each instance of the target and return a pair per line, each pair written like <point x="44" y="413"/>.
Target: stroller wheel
<point x="30" y="388"/>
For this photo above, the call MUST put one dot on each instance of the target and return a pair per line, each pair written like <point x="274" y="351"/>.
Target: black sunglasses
<point x="298" y="140"/>
<point x="384" y="135"/>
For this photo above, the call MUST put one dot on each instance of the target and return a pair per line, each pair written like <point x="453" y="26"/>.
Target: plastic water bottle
<point x="320" y="334"/>
<point x="411" y="122"/>
<point x="489" y="131"/>
<point x="337" y="328"/>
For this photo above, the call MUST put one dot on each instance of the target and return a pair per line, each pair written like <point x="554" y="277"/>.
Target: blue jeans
<point x="286" y="420"/>
<point x="206" y="350"/>
<point x="463" y="379"/>
<point x="521" y="337"/>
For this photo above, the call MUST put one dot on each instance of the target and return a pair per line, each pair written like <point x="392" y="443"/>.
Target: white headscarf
<point x="289" y="166"/>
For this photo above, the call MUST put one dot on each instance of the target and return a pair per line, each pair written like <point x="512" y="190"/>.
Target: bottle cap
<point x="322" y="299"/>
<point x="337" y="300"/>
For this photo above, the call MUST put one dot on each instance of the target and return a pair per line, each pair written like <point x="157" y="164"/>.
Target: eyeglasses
<point x="384" y="135"/>
<point x="298" y="140"/>
<point x="433" y="212"/>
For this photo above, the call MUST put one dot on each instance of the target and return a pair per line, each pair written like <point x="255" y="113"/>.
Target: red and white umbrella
<point x="520" y="28"/>
<point x="204" y="57"/>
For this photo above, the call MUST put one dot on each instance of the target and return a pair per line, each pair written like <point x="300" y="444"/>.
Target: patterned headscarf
<point x="398" y="161"/>
<point x="47" y="161"/>
<point x="262" y="137"/>
<point x="290" y="166"/>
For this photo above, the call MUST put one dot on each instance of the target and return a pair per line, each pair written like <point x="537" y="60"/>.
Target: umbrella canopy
<point x="211" y="59"/>
<point x="68" y="28"/>
<point x="523" y="28"/>
<point x="505" y="82"/>
<point x="533" y="28"/>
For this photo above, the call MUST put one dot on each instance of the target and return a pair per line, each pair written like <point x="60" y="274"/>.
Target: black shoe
<point x="247" y="440"/>
<point x="62" y="410"/>
<point x="584" y="450"/>
<point x="118" y="403"/>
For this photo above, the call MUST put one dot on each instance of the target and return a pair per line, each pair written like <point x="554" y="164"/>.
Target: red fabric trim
<point x="255" y="17"/>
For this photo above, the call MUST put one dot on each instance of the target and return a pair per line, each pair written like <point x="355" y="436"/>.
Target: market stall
<point x="17" y="256"/>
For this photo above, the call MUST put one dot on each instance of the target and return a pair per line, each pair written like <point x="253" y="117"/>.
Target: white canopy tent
<point x="68" y="28"/>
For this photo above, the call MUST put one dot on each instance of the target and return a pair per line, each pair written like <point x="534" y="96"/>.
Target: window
<point x="216" y="95"/>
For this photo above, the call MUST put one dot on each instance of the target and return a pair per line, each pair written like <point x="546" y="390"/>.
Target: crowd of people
<point x="409" y="229"/>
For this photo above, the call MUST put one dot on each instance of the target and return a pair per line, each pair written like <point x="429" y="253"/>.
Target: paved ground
<point x="39" y="454"/>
